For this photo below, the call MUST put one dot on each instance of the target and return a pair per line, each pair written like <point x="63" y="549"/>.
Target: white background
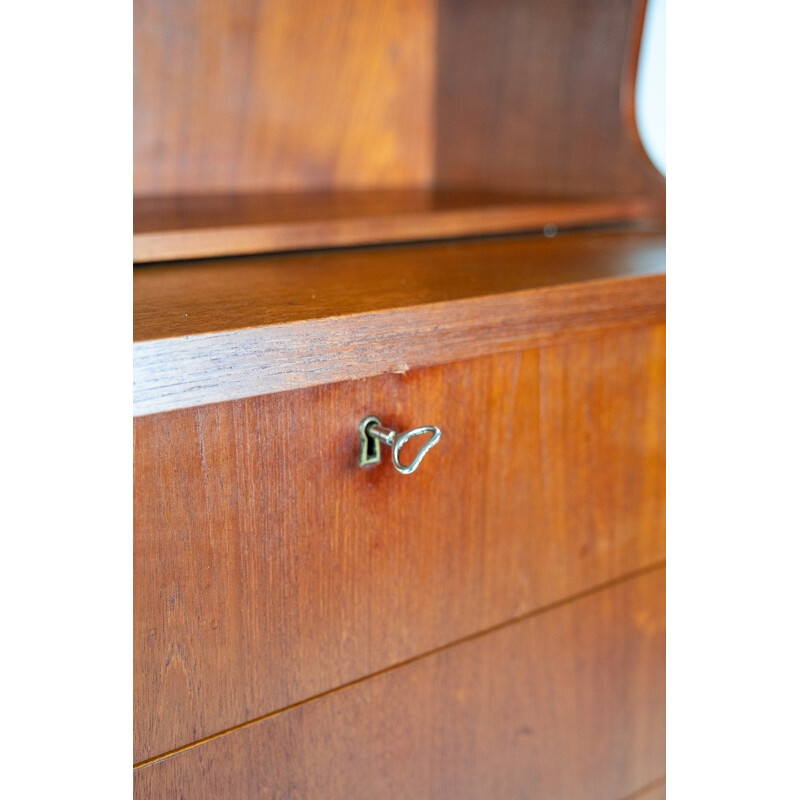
<point x="651" y="84"/>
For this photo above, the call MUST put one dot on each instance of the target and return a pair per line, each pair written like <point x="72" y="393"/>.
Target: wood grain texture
<point x="537" y="96"/>
<point x="237" y="328"/>
<point x="179" y="300"/>
<point x="282" y="95"/>
<point x="567" y="705"/>
<point x="657" y="790"/>
<point x="268" y="567"/>
<point x="296" y="95"/>
<point x="167" y="228"/>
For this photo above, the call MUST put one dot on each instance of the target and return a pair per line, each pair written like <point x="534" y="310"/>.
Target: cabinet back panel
<point x="282" y="94"/>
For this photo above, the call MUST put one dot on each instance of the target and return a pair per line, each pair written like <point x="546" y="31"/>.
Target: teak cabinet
<point x="437" y="212"/>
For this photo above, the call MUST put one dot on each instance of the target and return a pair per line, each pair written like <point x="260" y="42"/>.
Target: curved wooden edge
<point x="197" y="370"/>
<point x="627" y="96"/>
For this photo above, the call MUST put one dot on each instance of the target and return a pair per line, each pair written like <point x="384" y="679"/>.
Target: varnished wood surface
<point x="657" y="790"/>
<point x="567" y="705"/>
<point x="537" y="96"/>
<point x="226" y="294"/>
<point x="298" y="95"/>
<point x="167" y="228"/>
<point x="235" y="328"/>
<point x="282" y="95"/>
<point x="268" y="567"/>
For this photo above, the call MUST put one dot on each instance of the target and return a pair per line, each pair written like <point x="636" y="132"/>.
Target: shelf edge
<point x="188" y="371"/>
<point x="268" y="237"/>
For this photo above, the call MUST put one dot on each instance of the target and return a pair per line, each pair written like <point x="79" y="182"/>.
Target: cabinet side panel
<point x="537" y="95"/>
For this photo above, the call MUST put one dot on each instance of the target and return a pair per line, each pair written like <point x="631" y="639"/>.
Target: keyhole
<point x="373" y="449"/>
<point x="370" y="451"/>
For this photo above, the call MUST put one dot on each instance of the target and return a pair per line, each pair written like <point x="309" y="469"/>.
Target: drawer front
<point x="566" y="704"/>
<point x="269" y="567"/>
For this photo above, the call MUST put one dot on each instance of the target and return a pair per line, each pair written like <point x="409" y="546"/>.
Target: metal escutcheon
<point x="372" y="434"/>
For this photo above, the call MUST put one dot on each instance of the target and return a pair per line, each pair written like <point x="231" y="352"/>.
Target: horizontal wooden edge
<point x="183" y="372"/>
<point x="190" y="243"/>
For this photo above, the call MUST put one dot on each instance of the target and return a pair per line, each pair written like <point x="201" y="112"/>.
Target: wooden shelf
<point x="215" y="330"/>
<point x="168" y="228"/>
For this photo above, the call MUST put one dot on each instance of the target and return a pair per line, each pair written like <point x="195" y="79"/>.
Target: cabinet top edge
<point x="174" y="301"/>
